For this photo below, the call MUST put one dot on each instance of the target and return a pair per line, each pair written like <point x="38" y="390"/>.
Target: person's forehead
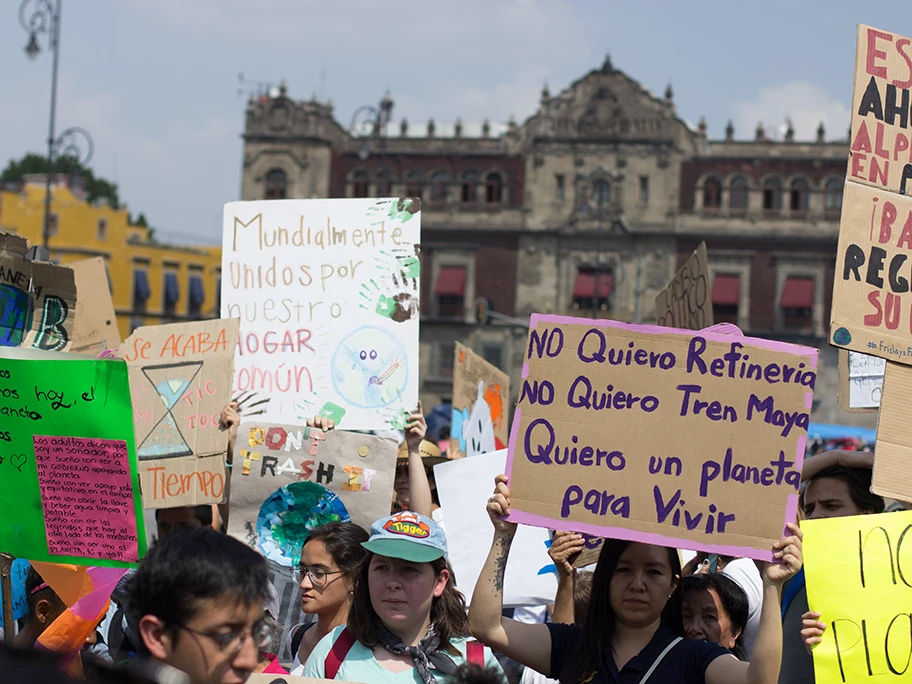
<point x="646" y="554"/>
<point x="827" y="488"/>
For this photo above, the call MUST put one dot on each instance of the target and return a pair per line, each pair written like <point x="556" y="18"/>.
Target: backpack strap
<point x="337" y="653"/>
<point x="658" y="661"/>
<point x="297" y="636"/>
<point x="475" y="653"/>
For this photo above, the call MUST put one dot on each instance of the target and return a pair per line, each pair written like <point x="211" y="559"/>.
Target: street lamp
<point x="377" y="118"/>
<point x="43" y="17"/>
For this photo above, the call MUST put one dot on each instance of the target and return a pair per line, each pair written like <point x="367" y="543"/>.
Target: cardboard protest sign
<point x="860" y="381"/>
<point x="481" y="396"/>
<point x="180" y="377"/>
<point x="880" y="154"/>
<point x="68" y="473"/>
<point x="872" y="306"/>
<point x="892" y="477"/>
<point x="18" y="574"/>
<point x="686" y="302"/>
<point x="691" y="440"/>
<point x="38" y="299"/>
<point x="856" y="580"/>
<point x="288" y="479"/>
<point x="95" y="325"/>
<point x="327" y="292"/>
<point x="464" y="486"/>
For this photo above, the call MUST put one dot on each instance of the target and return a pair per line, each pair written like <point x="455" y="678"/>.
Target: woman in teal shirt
<point x="407" y="622"/>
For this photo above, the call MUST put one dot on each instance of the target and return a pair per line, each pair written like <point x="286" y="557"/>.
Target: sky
<point x="156" y="81"/>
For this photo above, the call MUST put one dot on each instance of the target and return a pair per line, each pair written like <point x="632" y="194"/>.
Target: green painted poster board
<point x="69" y="489"/>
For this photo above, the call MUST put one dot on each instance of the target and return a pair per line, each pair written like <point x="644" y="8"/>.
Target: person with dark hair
<point x="197" y="600"/>
<point x="633" y="629"/>
<point x="715" y="608"/>
<point x="476" y="674"/>
<point x="838" y="484"/>
<point x="330" y="560"/>
<point x="170" y="520"/>
<point x="406" y="614"/>
<point x="44" y="606"/>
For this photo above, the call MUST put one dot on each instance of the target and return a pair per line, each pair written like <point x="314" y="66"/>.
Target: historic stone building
<point x="586" y="208"/>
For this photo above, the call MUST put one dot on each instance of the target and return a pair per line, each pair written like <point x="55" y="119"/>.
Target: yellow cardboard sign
<point x="859" y="578"/>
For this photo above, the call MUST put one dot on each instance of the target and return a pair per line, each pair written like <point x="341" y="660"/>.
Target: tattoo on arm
<point x="500" y="564"/>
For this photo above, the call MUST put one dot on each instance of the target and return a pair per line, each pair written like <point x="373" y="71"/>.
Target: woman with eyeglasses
<point x="330" y="559"/>
<point x="407" y="621"/>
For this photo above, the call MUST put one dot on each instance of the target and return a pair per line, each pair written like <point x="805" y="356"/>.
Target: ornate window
<point x="739" y="195"/>
<point x="712" y="194"/>
<point x="493" y="188"/>
<point x="414" y="184"/>
<point x="439" y="183"/>
<point x="798" y="195"/>
<point x="772" y="195"/>
<point x="276" y="185"/>
<point x="360" y="184"/>
<point x="468" y="187"/>
<point x="832" y="196"/>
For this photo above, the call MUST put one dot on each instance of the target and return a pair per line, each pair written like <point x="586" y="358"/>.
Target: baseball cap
<point x="409" y="536"/>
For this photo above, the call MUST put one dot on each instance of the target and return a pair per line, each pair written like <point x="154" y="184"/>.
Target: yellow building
<point x="151" y="282"/>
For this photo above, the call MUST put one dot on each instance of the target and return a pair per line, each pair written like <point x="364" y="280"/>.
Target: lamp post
<point x="378" y="118"/>
<point x="38" y="17"/>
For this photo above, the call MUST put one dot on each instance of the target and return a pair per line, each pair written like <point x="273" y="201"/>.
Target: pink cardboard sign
<point x="686" y="439"/>
<point x="87" y="496"/>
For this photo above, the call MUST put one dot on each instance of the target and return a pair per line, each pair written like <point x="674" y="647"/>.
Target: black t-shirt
<point x="686" y="663"/>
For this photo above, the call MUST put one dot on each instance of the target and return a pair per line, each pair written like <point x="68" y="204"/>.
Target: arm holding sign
<point x="812" y="629"/>
<point x="766" y="658"/>
<point x="564" y="545"/>
<point x="229" y="420"/>
<point x="836" y="457"/>
<point x="527" y="644"/>
<point x="420" y="500"/>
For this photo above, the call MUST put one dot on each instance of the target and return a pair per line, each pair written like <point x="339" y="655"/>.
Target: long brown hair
<point x="448" y="611"/>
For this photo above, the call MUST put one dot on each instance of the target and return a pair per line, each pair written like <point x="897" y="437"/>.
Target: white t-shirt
<point x="745" y="573"/>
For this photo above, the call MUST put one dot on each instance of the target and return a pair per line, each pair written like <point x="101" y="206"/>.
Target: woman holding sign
<point x="633" y="631"/>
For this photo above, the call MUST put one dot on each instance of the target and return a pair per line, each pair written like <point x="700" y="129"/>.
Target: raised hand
<point x="498" y="506"/>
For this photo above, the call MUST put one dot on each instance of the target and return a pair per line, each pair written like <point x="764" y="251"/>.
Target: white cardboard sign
<point x="327" y="292"/>
<point x="464" y="486"/>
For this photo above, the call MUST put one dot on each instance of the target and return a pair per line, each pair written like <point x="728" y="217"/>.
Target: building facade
<point x="587" y="208"/>
<point x="151" y="282"/>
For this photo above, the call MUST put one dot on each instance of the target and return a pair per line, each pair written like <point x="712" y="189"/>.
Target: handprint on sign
<point x="396" y="296"/>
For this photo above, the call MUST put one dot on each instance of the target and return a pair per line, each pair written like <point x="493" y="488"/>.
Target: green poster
<point x="69" y="489"/>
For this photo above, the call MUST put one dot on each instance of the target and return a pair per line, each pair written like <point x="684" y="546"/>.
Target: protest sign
<point x="857" y="582"/>
<point x="892" y="477"/>
<point x="872" y="304"/>
<point x="38" y="299"/>
<point x="686" y="302"/>
<point x="860" y="381"/>
<point x="327" y="292"/>
<point x="464" y="486"/>
<point x="684" y="439"/>
<point x="68" y="474"/>
<point x="180" y="378"/>
<point x="880" y="153"/>
<point x="287" y="479"/>
<point x="95" y="324"/>
<point x="872" y="307"/>
<point x="18" y="574"/>
<point x="481" y="395"/>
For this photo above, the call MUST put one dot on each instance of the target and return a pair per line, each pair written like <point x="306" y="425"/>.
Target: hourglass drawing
<point x="171" y="381"/>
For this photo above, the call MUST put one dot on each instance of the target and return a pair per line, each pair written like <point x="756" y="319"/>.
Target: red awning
<point x="584" y="288"/>
<point x="798" y="293"/>
<point x="726" y="290"/>
<point x="451" y="281"/>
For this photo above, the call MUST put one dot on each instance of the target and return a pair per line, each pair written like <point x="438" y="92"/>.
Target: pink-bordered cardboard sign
<point x="686" y="439"/>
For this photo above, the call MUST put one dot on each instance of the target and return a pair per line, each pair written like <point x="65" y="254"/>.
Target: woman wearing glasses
<point x="407" y="622"/>
<point x="330" y="559"/>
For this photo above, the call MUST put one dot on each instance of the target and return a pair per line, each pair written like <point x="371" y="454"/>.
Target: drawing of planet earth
<point x="288" y="516"/>
<point x="370" y="368"/>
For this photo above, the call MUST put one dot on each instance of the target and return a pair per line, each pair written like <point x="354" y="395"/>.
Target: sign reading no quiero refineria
<point x="327" y="292"/>
<point x="681" y="438"/>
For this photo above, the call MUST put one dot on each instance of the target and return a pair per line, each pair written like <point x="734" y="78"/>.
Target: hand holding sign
<point x="787" y="551"/>
<point x="499" y="507"/>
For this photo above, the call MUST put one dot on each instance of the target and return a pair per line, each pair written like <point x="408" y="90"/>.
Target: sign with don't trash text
<point x="686" y="439"/>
